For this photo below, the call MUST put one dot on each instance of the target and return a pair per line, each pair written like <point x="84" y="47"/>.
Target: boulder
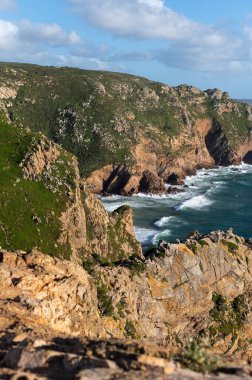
<point x="151" y="183"/>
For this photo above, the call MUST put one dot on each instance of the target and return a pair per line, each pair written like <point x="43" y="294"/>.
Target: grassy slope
<point x="80" y="109"/>
<point x="21" y="200"/>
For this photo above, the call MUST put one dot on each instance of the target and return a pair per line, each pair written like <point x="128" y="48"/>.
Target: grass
<point x="232" y="247"/>
<point x="23" y="200"/>
<point x="196" y="358"/>
<point x="229" y="316"/>
<point x="67" y="105"/>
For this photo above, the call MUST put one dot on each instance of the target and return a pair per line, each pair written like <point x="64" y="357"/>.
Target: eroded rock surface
<point x="185" y="308"/>
<point x="171" y="293"/>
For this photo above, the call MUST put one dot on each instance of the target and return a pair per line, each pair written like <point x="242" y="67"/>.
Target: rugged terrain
<point x="44" y="203"/>
<point x="78" y="298"/>
<point x="188" y="305"/>
<point x="128" y="133"/>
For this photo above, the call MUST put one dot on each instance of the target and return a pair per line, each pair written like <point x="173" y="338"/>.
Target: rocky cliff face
<point x="44" y="204"/>
<point x="120" y="126"/>
<point x="199" y="289"/>
<point x="193" y="299"/>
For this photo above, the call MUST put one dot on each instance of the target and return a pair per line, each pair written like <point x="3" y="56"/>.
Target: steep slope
<point x="121" y="126"/>
<point x="45" y="205"/>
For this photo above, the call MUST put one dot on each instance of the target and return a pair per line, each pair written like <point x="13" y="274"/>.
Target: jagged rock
<point x="42" y="297"/>
<point x="59" y="294"/>
<point x="151" y="183"/>
<point x="175" y="179"/>
<point x="43" y="153"/>
<point x="174" y="190"/>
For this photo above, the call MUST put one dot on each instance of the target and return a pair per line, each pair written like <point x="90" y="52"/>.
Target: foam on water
<point x="198" y="202"/>
<point x="144" y="235"/>
<point x="160" y="236"/>
<point x="171" y="216"/>
<point x="153" y="196"/>
<point x="163" y="221"/>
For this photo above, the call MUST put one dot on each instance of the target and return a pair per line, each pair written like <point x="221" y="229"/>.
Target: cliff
<point x="121" y="127"/>
<point x="200" y="289"/>
<point x="45" y="205"/>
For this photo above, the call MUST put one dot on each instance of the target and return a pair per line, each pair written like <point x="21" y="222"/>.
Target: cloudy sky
<point x="207" y="43"/>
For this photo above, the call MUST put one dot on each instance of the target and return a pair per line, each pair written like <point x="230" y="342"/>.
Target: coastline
<point x="174" y="212"/>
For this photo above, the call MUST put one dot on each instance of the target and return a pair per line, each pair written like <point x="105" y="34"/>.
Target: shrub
<point x="232" y="247"/>
<point x="129" y="329"/>
<point x="197" y="359"/>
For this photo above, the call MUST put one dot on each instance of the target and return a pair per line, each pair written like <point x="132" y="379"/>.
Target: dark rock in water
<point x="248" y="158"/>
<point x="175" y="179"/>
<point x="174" y="190"/>
<point x="151" y="183"/>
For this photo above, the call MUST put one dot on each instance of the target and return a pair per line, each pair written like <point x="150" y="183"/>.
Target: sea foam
<point x="198" y="202"/>
<point x="144" y="235"/>
<point x="163" y="221"/>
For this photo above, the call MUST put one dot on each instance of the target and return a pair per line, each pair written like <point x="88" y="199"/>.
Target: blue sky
<point x="203" y="43"/>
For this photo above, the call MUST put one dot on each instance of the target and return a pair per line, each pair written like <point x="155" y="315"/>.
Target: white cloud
<point x="137" y="18"/>
<point x="49" y="44"/>
<point x="51" y="34"/>
<point x="8" y="35"/>
<point x="31" y="36"/>
<point x="6" y="5"/>
<point x="188" y="44"/>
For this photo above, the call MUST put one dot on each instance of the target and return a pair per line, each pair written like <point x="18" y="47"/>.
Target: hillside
<point x="45" y="205"/>
<point x="78" y="298"/>
<point x="128" y="133"/>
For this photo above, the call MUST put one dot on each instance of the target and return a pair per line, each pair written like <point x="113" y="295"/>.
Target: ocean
<point x="215" y="199"/>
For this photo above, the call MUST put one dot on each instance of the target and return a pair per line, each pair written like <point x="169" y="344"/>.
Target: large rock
<point x="57" y="293"/>
<point x="200" y="288"/>
<point x="151" y="183"/>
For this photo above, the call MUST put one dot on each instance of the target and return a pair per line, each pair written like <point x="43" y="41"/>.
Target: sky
<point x="205" y="43"/>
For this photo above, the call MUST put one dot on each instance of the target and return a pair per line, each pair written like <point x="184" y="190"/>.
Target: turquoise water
<point x="214" y="199"/>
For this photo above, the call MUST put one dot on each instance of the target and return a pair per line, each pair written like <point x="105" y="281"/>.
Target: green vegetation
<point x="129" y="330"/>
<point x="30" y="210"/>
<point x="136" y="266"/>
<point x="229" y="316"/>
<point x="196" y="358"/>
<point x="98" y="116"/>
<point x="105" y="303"/>
<point x="203" y="243"/>
<point x="232" y="247"/>
<point x="193" y="247"/>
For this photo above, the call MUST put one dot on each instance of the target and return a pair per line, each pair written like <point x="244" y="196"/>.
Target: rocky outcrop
<point x="49" y="207"/>
<point x="200" y="289"/>
<point x="40" y="355"/>
<point x="151" y="183"/>
<point x="42" y="154"/>
<point x="219" y="147"/>
<point x="58" y="294"/>
<point x="110" y="235"/>
<point x="175" y="295"/>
